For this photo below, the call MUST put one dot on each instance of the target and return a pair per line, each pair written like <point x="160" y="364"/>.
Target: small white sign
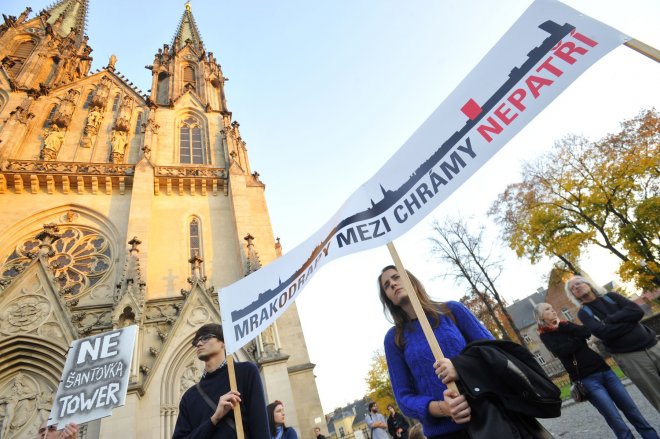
<point x="95" y="377"/>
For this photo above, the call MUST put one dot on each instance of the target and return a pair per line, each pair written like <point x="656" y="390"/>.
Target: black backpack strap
<point x="214" y="406"/>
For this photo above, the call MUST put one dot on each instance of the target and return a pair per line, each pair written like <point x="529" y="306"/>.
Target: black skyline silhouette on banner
<point x="391" y="197"/>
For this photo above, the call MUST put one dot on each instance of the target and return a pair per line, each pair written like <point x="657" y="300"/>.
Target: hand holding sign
<point x="225" y="404"/>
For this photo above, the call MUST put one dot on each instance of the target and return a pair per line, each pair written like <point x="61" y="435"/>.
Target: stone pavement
<point x="582" y="421"/>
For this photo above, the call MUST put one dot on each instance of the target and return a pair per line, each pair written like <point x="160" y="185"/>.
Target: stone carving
<point x="20" y="404"/>
<point x="188" y="171"/>
<point x="123" y="121"/>
<point x="92" y="127"/>
<point x="111" y="62"/>
<point x="198" y="316"/>
<point x="63" y="115"/>
<point x="30" y="166"/>
<point x="53" y="139"/>
<point x="118" y="143"/>
<point x="102" y="91"/>
<point x="25" y="314"/>
<point x="190" y="376"/>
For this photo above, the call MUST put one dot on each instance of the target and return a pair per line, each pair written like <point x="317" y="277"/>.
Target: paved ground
<point x="582" y="421"/>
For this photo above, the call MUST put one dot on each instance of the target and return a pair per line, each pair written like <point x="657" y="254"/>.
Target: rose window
<point x="80" y="259"/>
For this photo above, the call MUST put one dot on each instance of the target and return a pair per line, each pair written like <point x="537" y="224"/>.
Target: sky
<point x="326" y="92"/>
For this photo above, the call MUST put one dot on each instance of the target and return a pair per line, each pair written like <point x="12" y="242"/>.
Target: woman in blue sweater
<point x="418" y="391"/>
<point x="278" y="430"/>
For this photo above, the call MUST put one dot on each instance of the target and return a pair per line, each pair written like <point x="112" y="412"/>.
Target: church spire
<point x="187" y="30"/>
<point x="66" y="16"/>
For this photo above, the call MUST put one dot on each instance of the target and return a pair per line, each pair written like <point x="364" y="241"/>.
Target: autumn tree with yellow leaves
<point x="379" y="388"/>
<point x="584" y="193"/>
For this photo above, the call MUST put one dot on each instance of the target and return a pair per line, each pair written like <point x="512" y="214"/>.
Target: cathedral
<point x="123" y="208"/>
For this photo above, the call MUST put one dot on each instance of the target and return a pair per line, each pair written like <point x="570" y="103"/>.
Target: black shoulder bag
<point x="579" y="391"/>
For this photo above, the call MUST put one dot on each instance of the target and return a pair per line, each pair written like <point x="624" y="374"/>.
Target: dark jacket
<point x="568" y="342"/>
<point x="396" y="421"/>
<point x="506" y="389"/>
<point x="617" y="324"/>
<point x="194" y="420"/>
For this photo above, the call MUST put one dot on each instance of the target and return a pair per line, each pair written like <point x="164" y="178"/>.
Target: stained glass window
<point x="81" y="258"/>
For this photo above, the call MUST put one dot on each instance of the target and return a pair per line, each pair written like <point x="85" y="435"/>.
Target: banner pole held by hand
<point x="419" y="311"/>
<point x="238" y="418"/>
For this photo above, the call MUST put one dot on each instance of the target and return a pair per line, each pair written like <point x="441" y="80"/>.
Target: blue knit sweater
<point x="411" y="370"/>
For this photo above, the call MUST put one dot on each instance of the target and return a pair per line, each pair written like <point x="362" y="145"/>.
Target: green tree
<point x="584" y="193"/>
<point x="379" y="387"/>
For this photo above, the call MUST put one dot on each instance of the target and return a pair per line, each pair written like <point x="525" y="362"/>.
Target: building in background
<point x="124" y="208"/>
<point x="349" y="422"/>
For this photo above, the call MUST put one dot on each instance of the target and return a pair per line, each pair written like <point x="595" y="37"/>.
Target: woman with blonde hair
<point x="568" y="342"/>
<point x="616" y="321"/>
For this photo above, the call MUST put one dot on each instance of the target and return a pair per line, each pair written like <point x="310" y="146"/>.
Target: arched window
<point x="23" y="51"/>
<point x="194" y="230"/>
<point x="138" y="124"/>
<point x="50" y="116"/>
<point x="115" y="102"/>
<point x="191" y="149"/>
<point x="189" y="77"/>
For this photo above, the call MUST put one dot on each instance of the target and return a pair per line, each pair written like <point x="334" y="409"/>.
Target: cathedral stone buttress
<point x="121" y="208"/>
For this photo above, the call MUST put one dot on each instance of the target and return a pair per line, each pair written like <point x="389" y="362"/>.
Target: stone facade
<point x="123" y="208"/>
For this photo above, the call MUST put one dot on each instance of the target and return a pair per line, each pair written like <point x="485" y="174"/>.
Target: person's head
<point x="416" y="432"/>
<point x="393" y="296"/>
<point x="47" y="431"/>
<point x="276" y="416"/>
<point x="372" y="407"/>
<point x="581" y="290"/>
<point x="545" y="315"/>
<point x="390" y="408"/>
<point x="50" y="432"/>
<point x="317" y="431"/>
<point x="209" y="341"/>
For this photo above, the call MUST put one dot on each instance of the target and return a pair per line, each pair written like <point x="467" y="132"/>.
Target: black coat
<point x="506" y="389"/>
<point x="568" y="342"/>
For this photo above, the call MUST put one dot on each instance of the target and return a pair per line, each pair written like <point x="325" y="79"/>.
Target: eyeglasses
<point x="203" y="339"/>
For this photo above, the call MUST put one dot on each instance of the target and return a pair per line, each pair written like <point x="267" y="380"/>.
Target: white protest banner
<point x="95" y="377"/>
<point x="543" y="53"/>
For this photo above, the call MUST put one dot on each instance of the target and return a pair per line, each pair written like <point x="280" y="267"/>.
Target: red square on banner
<point x="471" y="109"/>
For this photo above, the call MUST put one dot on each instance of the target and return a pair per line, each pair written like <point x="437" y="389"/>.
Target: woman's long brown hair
<point x="398" y="316"/>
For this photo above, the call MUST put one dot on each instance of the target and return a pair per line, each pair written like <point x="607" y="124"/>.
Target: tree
<point x="379" y="387"/>
<point x="470" y="264"/>
<point x="491" y="316"/>
<point x="583" y="193"/>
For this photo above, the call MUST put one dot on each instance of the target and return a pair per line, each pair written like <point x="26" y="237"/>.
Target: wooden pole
<point x="238" y="418"/>
<point x="419" y="311"/>
<point x="644" y="49"/>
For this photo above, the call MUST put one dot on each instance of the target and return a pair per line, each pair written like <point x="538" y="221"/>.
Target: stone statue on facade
<point x="19" y="405"/>
<point x="53" y="139"/>
<point x="111" y="62"/>
<point x="118" y="143"/>
<point x="124" y="118"/>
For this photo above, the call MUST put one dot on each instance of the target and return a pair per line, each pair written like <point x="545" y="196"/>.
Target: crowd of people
<point x="502" y="390"/>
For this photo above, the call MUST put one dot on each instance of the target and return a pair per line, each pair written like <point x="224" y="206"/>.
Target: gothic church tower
<point x="121" y="208"/>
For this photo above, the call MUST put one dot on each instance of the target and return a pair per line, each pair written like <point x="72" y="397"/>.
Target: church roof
<point x="187" y="30"/>
<point x="74" y="15"/>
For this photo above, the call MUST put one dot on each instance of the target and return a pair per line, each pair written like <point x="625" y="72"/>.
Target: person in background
<point x="50" y="431"/>
<point x="615" y="320"/>
<point x="418" y="391"/>
<point x="397" y="424"/>
<point x="276" y="418"/>
<point x="317" y="433"/>
<point x="376" y="422"/>
<point x="568" y="342"/>
<point x="416" y="432"/>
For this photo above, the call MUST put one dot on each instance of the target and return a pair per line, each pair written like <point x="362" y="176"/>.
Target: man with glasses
<point x="205" y="410"/>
